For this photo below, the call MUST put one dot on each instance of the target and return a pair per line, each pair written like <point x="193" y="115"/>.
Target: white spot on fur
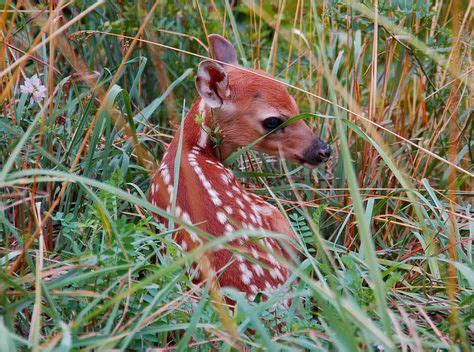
<point x="202" y="103"/>
<point x="273" y="260"/>
<point x="247" y="275"/>
<point x="186" y="218"/>
<point x="221" y="217"/>
<point x="259" y="219"/>
<point x="265" y="241"/>
<point x="203" y="138"/>
<point x="229" y="229"/>
<point x="165" y="174"/>
<point x="276" y="274"/>
<point x="207" y="185"/>
<point x="225" y="179"/>
<point x="194" y="237"/>
<point x="215" y="199"/>
<point x="258" y="269"/>
<point x="268" y="287"/>
<point x="242" y="214"/>
<point x="253" y="218"/>
<point x="266" y="210"/>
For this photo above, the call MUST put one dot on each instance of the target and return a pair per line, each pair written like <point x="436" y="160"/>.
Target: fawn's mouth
<point x="310" y="164"/>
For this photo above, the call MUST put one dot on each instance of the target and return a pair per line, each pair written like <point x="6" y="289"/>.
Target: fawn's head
<point x="247" y="105"/>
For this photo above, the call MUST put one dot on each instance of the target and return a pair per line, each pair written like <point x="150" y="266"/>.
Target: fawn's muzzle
<point x="318" y="152"/>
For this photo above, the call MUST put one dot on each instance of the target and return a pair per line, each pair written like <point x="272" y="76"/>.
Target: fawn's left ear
<point x="211" y="83"/>
<point x="221" y="49"/>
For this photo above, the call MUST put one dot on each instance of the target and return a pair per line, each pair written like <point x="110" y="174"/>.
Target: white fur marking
<point x="202" y="103"/>
<point x="242" y="214"/>
<point x="273" y="260"/>
<point x="221" y="217"/>
<point x="229" y="229"/>
<point x="247" y="275"/>
<point x="165" y="174"/>
<point x="203" y="138"/>
<point x="194" y="236"/>
<point x="258" y="270"/>
<point x="253" y="218"/>
<point x="276" y="274"/>
<point x="225" y="179"/>
<point x="210" y="190"/>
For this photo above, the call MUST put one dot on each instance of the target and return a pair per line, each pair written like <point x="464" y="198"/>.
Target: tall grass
<point x="385" y="229"/>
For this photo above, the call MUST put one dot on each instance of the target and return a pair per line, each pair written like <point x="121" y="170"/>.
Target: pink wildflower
<point x="34" y="87"/>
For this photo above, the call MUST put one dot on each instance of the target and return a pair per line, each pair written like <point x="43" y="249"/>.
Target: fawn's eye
<point x="271" y="123"/>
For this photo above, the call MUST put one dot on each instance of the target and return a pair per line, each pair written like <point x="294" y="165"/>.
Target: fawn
<point x="244" y="106"/>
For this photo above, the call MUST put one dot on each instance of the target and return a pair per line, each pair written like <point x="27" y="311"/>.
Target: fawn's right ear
<point x="211" y="83"/>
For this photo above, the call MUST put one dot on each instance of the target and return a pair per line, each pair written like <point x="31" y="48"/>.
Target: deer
<point x="245" y="105"/>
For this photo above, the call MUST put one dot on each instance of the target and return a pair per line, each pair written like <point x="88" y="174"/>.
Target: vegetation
<point x="386" y="227"/>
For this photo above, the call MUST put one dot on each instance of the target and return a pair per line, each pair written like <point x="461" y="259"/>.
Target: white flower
<point x="34" y="87"/>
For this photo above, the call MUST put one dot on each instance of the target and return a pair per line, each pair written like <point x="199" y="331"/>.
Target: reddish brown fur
<point x="209" y="196"/>
<point x="193" y="199"/>
<point x="254" y="94"/>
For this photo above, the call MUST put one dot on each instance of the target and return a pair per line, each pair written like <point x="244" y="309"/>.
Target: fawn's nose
<point x="318" y="152"/>
<point x="324" y="153"/>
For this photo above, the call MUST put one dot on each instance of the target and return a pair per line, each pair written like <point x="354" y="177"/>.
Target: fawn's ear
<point x="221" y="49"/>
<point x="211" y="83"/>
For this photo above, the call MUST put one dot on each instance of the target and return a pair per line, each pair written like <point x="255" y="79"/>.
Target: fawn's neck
<point x="199" y="127"/>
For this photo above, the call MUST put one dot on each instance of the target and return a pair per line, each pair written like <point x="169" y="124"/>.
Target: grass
<point x="385" y="229"/>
